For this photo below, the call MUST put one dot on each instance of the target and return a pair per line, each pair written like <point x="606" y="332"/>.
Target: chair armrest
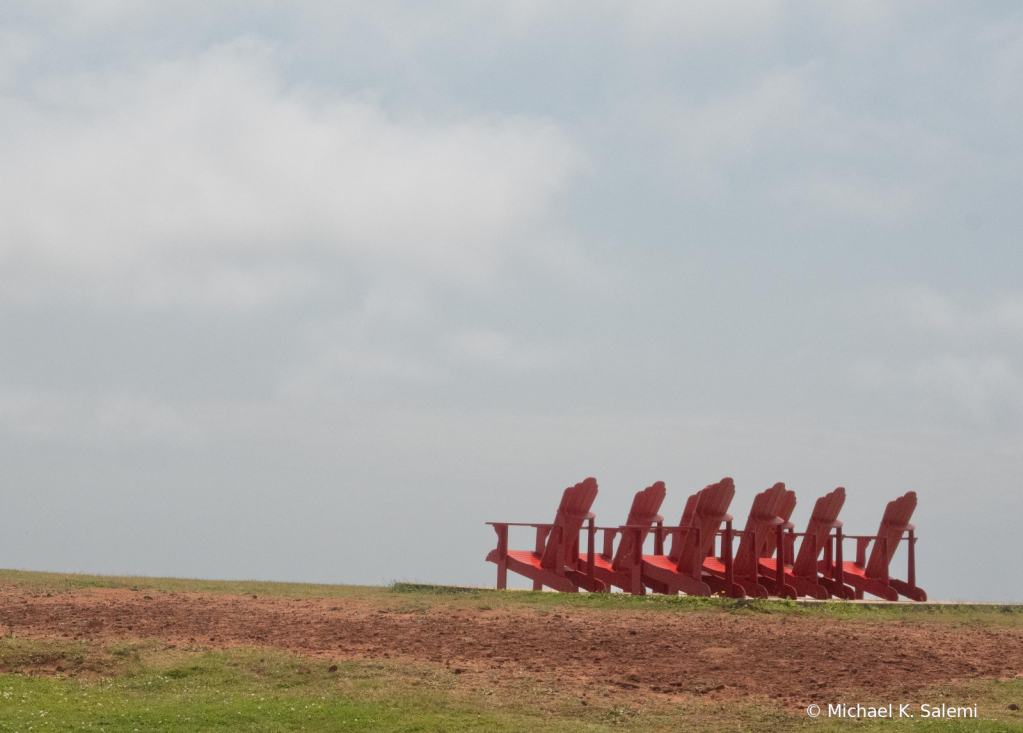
<point x="518" y="524"/>
<point x="609" y="540"/>
<point x="866" y="536"/>
<point x="652" y="528"/>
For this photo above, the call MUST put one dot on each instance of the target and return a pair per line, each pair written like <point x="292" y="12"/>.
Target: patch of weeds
<point x="441" y="590"/>
<point x="618" y="714"/>
<point x="412" y="607"/>
<point x="39" y="582"/>
<point x="21" y="655"/>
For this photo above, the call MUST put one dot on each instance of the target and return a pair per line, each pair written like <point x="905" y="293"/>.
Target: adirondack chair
<point x="802" y="574"/>
<point x="621" y="569"/>
<point x="690" y="567"/>
<point x="764" y="526"/>
<point x="553" y="563"/>
<point x="871" y="576"/>
<point x="770" y="544"/>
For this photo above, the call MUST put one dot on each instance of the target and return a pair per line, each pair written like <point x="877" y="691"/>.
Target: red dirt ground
<point x="643" y="653"/>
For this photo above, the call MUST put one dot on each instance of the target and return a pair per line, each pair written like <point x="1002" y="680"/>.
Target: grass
<point x="36" y="582"/>
<point x="964" y="612"/>
<point x="151" y="686"/>
<point x="132" y="687"/>
<point x="242" y="690"/>
<point x="424" y="596"/>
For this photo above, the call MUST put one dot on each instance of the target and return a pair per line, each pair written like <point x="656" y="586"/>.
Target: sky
<point x="310" y="291"/>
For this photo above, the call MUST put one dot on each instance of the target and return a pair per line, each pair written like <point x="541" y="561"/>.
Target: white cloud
<point x="196" y="167"/>
<point x="983" y="386"/>
<point x="927" y="310"/>
<point x="731" y="138"/>
<point x="16" y="48"/>
<point x="698" y="23"/>
<point x="499" y="350"/>
<point x="34" y="415"/>
<point x="132" y="418"/>
<point x="117" y="417"/>
<point x="855" y="198"/>
<point x="867" y="13"/>
<point x="953" y="360"/>
<point x="710" y="134"/>
<point x="981" y="390"/>
<point x="405" y="342"/>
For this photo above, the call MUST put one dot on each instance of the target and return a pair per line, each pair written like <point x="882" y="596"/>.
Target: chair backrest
<point x="763" y="516"/>
<point x="563" y="541"/>
<point x="896" y="516"/>
<point x="825" y="513"/>
<point x="688" y="515"/>
<point x="645" y="506"/>
<point x="705" y="509"/>
<point x="770" y="543"/>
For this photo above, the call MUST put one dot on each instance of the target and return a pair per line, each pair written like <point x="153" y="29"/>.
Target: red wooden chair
<point x="802" y="574"/>
<point x="770" y="542"/>
<point x="620" y="568"/>
<point x="764" y="528"/>
<point x="691" y="567"/>
<point x="871" y="576"/>
<point x="554" y="562"/>
<point x="762" y="523"/>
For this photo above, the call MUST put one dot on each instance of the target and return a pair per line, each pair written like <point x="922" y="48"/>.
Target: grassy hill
<point x="148" y="684"/>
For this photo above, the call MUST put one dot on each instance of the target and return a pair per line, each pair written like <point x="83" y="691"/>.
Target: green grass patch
<point x="242" y="690"/>
<point x="956" y="613"/>
<point x="54" y="583"/>
<point x="423" y="596"/>
<point x="151" y="686"/>
<point x="163" y="689"/>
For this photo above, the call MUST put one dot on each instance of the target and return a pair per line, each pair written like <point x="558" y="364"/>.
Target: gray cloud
<point x="312" y="291"/>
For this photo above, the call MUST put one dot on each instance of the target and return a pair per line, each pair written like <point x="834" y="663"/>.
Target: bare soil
<point x="632" y="653"/>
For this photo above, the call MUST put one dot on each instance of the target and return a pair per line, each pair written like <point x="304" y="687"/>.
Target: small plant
<point x="618" y="714"/>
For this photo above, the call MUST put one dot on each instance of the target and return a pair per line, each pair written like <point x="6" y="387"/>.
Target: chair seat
<point x="598" y="561"/>
<point x="525" y="557"/>
<point x="771" y="564"/>
<point x="713" y="565"/>
<point x="849" y="568"/>
<point x="710" y="564"/>
<point x="660" y="561"/>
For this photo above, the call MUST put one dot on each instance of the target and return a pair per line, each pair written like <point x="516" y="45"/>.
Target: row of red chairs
<point x="703" y="560"/>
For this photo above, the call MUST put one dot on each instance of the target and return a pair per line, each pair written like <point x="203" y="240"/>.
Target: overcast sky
<point x="311" y="290"/>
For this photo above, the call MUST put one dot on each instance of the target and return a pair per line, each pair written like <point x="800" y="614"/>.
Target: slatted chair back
<point x="770" y="543"/>
<point x="767" y="505"/>
<point x="645" y="506"/>
<point x="688" y="515"/>
<point x="896" y="516"/>
<point x="705" y="509"/>
<point x="825" y="513"/>
<point x="562" y="543"/>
